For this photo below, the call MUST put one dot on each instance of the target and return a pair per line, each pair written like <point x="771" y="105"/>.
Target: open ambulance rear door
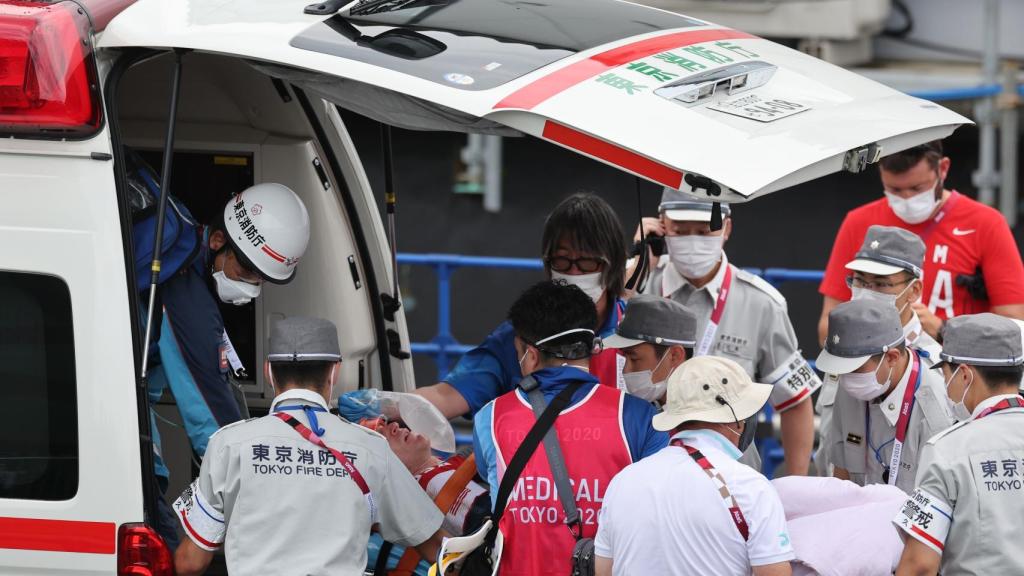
<point x="675" y="100"/>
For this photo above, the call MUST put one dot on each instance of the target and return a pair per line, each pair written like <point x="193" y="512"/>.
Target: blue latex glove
<point x="358" y="404"/>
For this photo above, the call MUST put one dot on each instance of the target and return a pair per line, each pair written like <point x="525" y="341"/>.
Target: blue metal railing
<point x="444" y="348"/>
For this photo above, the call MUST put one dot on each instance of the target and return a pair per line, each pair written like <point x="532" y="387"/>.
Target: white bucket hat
<point x="710" y="389"/>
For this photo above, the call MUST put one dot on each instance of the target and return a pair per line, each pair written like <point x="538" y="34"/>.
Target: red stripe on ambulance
<point x="616" y="155"/>
<point x="529" y="96"/>
<point x="58" y="535"/>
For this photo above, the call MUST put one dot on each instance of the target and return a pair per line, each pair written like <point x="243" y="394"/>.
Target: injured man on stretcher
<point x="449" y="481"/>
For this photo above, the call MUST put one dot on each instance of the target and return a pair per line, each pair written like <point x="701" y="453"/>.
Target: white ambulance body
<point x="680" y="102"/>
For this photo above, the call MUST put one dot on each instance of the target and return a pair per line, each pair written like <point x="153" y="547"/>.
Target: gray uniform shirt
<point x="969" y="500"/>
<point x="754" y="331"/>
<point x="279" y="504"/>
<point x="917" y="339"/>
<point x="865" y="456"/>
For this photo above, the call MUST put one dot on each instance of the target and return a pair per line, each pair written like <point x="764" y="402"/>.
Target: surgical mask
<point x="695" y="256"/>
<point x="890" y="299"/>
<point x="959" y="409"/>
<point x="234" y="291"/>
<point x="865" y="386"/>
<point x="642" y="385"/>
<point x="589" y="283"/>
<point x="915" y="209"/>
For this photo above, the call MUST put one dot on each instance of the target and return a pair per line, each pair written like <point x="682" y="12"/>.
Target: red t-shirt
<point x="969" y="234"/>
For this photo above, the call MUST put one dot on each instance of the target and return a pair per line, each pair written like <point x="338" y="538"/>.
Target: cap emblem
<point x="835" y="338"/>
<point x="256" y="209"/>
<point x="874" y="245"/>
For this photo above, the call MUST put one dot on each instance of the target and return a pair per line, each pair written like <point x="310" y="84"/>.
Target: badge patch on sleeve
<point x="926" y="518"/>
<point x="794" y="380"/>
<point x="204" y="525"/>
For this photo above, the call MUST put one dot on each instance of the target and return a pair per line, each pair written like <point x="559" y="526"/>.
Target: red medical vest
<point x="593" y="441"/>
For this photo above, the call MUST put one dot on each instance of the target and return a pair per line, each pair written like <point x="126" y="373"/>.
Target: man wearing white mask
<point x="656" y="336"/>
<point x="971" y="262"/>
<point x="966" y="507"/>
<point x="888" y="268"/>
<point x="889" y="402"/>
<point x="260" y="236"/>
<point x="739" y="315"/>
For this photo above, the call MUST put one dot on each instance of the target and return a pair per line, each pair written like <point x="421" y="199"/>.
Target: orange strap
<point x="444" y="500"/>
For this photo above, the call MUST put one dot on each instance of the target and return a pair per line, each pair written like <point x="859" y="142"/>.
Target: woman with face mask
<point x="889" y="402"/>
<point x="970" y="474"/>
<point x="583" y="244"/>
<point x="739" y="316"/>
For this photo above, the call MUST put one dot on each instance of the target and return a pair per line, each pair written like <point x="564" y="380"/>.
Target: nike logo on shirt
<point x="959" y="232"/>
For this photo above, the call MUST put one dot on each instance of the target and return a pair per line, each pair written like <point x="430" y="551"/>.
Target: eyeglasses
<point x="585" y="264"/>
<point x="854" y="282"/>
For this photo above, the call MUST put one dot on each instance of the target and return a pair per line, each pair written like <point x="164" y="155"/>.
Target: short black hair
<point x="904" y="160"/>
<point x="301" y="374"/>
<point x="550" y="307"/>
<point x="592" y="226"/>
<point x="996" y="377"/>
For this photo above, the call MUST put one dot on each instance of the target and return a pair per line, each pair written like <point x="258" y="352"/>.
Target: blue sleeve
<point x="485" y="450"/>
<point x="487" y="371"/>
<point x="642" y="438"/>
<point x="190" y="349"/>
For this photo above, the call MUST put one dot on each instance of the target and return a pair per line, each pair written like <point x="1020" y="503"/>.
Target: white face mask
<point x="695" y="256"/>
<point x="234" y="291"/>
<point x="865" y="386"/>
<point x="589" y="283"/>
<point x="915" y="209"/>
<point x="642" y="385"/>
<point x="959" y="409"/>
<point x="890" y="299"/>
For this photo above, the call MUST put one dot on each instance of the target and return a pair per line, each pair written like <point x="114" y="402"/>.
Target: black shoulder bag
<point x="478" y="563"/>
<point x="583" y="550"/>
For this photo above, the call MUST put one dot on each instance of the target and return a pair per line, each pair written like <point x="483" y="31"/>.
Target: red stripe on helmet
<point x="273" y="254"/>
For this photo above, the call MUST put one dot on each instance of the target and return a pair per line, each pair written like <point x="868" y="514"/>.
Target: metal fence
<point x="444" y="348"/>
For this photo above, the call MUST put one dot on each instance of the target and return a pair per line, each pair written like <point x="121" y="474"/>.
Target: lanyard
<point x="716" y="315"/>
<point x="892" y="472"/>
<point x="734" y="508"/>
<point x="1015" y="402"/>
<point x="237" y="368"/>
<point x="342" y="460"/>
<point x="310" y="415"/>
<point x="940" y="215"/>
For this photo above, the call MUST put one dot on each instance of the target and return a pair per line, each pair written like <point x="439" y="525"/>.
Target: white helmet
<point x="268" y="228"/>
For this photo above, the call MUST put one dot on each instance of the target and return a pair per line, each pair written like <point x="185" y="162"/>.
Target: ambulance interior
<point x="237" y="127"/>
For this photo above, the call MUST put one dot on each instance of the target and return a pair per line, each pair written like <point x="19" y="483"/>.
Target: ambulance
<point x="250" y="91"/>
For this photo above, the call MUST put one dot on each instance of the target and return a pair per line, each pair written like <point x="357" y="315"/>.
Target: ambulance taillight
<point x="142" y="552"/>
<point x="48" y="81"/>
